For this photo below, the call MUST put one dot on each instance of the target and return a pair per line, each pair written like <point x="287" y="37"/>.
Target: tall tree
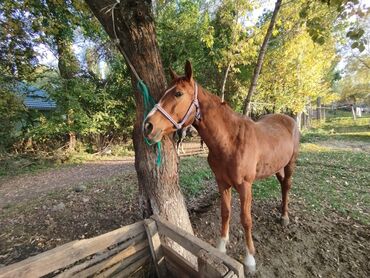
<point x="261" y="56"/>
<point x="133" y="29"/>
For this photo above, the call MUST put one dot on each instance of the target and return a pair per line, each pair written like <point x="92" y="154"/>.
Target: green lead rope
<point x="149" y="103"/>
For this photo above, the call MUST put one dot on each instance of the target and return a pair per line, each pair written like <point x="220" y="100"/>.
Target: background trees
<point x="62" y="48"/>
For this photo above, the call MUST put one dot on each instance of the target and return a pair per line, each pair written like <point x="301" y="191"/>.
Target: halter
<point x="194" y="103"/>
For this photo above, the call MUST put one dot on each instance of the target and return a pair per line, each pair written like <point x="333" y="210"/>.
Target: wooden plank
<point x="210" y="266"/>
<point x="121" y="256"/>
<point x="194" y="244"/>
<point x="132" y="268"/>
<point x="230" y="274"/>
<point x="175" y="259"/>
<point x="145" y="253"/>
<point x="69" y="253"/>
<point x="79" y="267"/>
<point x="175" y="271"/>
<point x="155" y="247"/>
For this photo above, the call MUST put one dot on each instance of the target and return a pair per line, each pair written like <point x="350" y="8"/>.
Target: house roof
<point x="34" y="98"/>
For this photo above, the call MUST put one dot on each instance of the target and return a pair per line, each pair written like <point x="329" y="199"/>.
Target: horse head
<point x="177" y="109"/>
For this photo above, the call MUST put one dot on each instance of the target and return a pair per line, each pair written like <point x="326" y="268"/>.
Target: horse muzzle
<point x="150" y="133"/>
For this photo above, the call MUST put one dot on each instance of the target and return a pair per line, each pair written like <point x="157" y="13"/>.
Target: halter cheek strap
<point x="194" y="103"/>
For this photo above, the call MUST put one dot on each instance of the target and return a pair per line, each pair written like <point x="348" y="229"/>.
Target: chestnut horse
<point x="240" y="150"/>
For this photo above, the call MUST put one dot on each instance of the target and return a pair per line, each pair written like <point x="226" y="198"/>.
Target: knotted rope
<point x="148" y="100"/>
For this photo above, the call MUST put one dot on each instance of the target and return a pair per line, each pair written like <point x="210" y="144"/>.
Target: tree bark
<point x="159" y="187"/>
<point x="261" y="56"/>
<point x="68" y="67"/>
<point x="318" y="109"/>
<point x="224" y="82"/>
<point x="353" y="112"/>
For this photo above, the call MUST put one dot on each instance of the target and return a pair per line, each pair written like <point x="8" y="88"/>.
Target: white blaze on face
<point x="165" y="93"/>
<point x="160" y="103"/>
<point x="151" y="112"/>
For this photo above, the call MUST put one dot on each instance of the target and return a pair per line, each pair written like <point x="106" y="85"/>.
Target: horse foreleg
<point x="225" y="216"/>
<point x="245" y="193"/>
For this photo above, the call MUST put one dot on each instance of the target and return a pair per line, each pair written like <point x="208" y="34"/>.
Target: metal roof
<point x="34" y="98"/>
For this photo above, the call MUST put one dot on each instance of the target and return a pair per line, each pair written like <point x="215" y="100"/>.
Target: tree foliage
<point x="91" y="85"/>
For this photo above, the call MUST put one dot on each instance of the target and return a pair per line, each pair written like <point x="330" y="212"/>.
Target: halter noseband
<point x="194" y="103"/>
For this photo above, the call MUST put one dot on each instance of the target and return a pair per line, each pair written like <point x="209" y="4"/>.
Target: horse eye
<point x="178" y="94"/>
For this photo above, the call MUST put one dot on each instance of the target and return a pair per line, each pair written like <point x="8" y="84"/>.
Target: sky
<point x="46" y="56"/>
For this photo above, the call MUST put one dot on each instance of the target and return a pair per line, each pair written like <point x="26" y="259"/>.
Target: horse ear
<point x="188" y="70"/>
<point x="173" y="74"/>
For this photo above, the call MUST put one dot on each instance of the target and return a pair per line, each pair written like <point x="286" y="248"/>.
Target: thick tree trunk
<point x="261" y="56"/>
<point x="159" y="188"/>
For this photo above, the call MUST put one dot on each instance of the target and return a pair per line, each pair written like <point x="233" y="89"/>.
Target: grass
<point x="13" y="165"/>
<point x="328" y="179"/>
<point x="341" y="127"/>
<point x="194" y="174"/>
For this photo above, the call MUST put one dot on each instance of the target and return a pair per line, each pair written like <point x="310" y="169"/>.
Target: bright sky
<point x="46" y="57"/>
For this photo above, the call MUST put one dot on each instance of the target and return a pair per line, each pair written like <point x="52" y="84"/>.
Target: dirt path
<point x="28" y="186"/>
<point x="357" y="146"/>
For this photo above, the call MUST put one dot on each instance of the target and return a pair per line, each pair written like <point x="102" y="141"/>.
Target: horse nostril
<point x="148" y="128"/>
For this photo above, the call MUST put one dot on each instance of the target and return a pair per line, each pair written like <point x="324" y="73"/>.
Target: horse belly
<point x="268" y="167"/>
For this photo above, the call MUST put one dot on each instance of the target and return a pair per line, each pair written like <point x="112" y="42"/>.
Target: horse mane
<point x="223" y="106"/>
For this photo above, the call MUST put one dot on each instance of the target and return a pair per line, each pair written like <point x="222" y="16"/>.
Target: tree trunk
<point x="299" y="120"/>
<point x="261" y="56"/>
<point x="159" y="187"/>
<point x="68" y="67"/>
<point x="224" y="82"/>
<point x="353" y="112"/>
<point x="318" y="109"/>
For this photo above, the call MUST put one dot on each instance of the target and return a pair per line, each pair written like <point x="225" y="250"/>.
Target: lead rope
<point x="148" y="100"/>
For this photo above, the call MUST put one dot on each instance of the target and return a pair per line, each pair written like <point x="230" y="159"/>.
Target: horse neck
<point x="216" y="121"/>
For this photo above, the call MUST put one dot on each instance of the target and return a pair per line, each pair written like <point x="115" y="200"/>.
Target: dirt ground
<point x="42" y="210"/>
<point x="311" y="246"/>
<point x="28" y="186"/>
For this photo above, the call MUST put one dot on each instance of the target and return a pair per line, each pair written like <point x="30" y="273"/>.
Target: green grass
<point x="339" y="128"/>
<point x="194" y="174"/>
<point x="335" y="180"/>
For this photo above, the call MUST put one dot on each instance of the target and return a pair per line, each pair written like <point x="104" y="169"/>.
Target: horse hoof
<point x="250" y="265"/>
<point x="285" y="221"/>
<point x="221" y="245"/>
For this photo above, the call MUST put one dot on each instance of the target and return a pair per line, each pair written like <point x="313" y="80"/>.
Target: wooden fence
<point x="133" y="250"/>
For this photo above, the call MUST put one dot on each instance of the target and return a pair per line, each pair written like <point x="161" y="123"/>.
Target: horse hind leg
<point x="286" y="184"/>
